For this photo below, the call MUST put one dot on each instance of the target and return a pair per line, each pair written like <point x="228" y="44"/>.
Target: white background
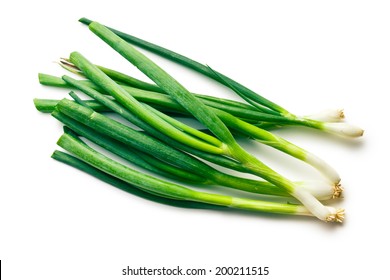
<point x="57" y="223"/>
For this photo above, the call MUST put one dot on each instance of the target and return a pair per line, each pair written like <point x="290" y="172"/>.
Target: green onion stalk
<point x="128" y="153"/>
<point x="320" y="189"/>
<point x="343" y="129"/>
<point x="258" y="101"/>
<point x="207" y="117"/>
<point x="113" y="74"/>
<point x="319" y="120"/>
<point x="45" y="106"/>
<point x="235" y="107"/>
<point x="261" y="135"/>
<point x="151" y="154"/>
<point x="170" y="190"/>
<point x="264" y="137"/>
<point x="240" y="110"/>
<point x="231" y="121"/>
<point x="131" y="104"/>
<point x="82" y="166"/>
<point x="142" y="93"/>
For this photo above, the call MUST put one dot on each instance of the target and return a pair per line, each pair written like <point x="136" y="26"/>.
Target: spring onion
<point x="199" y="111"/>
<point x="170" y="190"/>
<point x="74" y="116"/>
<point x="235" y="108"/>
<point x="177" y="153"/>
<point x="268" y="120"/>
<point x="261" y="135"/>
<point x="258" y="101"/>
<point x="250" y="130"/>
<point x="82" y="166"/>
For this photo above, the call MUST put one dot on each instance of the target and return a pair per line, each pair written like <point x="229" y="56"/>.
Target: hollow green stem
<point x="130" y="103"/>
<point x="113" y="74"/>
<point x="220" y="103"/>
<point x="82" y="166"/>
<point x="125" y="134"/>
<point x="50" y="80"/>
<point x="167" y="189"/>
<point x="162" y="79"/>
<point x="45" y="105"/>
<point x="272" y="140"/>
<point x="67" y="110"/>
<point x="77" y="99"/>
<point x="204" y="113"/>
<point x="266" y="121"/>
<point x="238" y="125"/>
<point x="203" y="69"/>
<point x="128" y="80"/>
<point x="48" y="105"/>
<point x="237" y="109"/>
<point x="128" y="153"/>
<point x="188" y="129"/>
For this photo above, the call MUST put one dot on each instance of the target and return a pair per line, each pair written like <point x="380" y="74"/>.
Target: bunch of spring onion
<point x="174" y="150"/>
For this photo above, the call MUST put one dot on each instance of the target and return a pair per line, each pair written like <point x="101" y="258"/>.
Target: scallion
<point x="164" y="146"/>
<point x="84" y="120"/>
<point x="166" y="189"/>
<point x="258" y="101"/>
<point x="82" y="166"/>
<point x="201" y="112"/>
